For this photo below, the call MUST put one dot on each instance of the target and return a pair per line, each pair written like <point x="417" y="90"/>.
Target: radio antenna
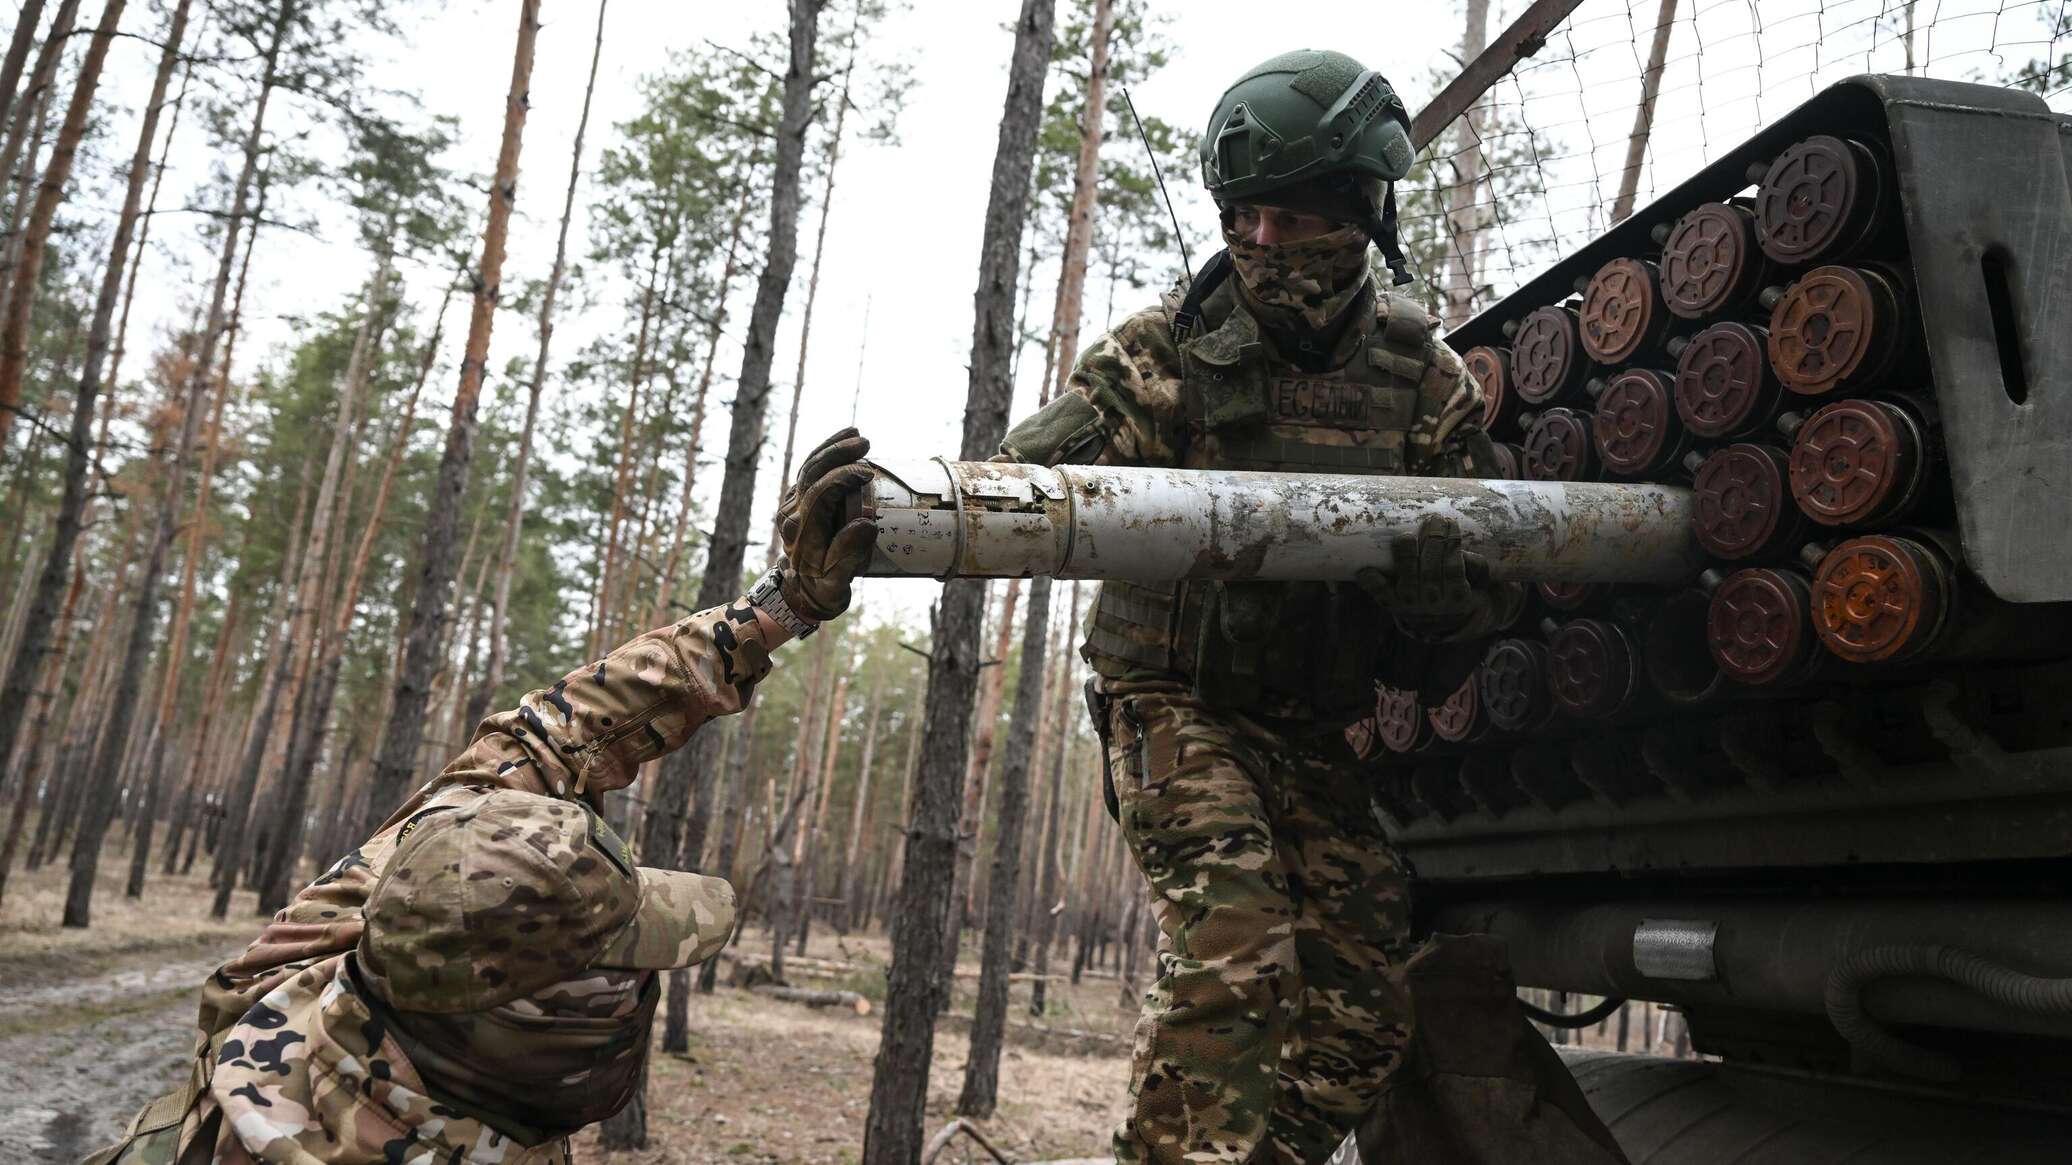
<point x="1186" y="263"/>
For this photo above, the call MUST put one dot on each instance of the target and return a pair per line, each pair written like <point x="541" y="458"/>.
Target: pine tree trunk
<point x="396" y="763"/>
<point x="859" y="822"/>
<point x="1644" y="113"/>
<point x="601" y="607"/>
<point x="14" y="335"/>
<point x="899" y="1078"/>
<point x="319" y="567"/>
<point x="970" y="819"/>
<point x="739" y="784"/>
<point x="30" y="653"/>
<point x="514" y="518"/>
<point x="982" y="1066"/>
<point x="1053" y="828"/>
<point x="683" y="772"/>
<point x="32" y="111"/>
<point x="25" y="23"/>
<point x="808" y="850"/>
<point x="183" y="612"/>
<point x="99" y="806"/>
<point x="1079" y="227"/>
<point x="228" y="648"/>
<point x="1463" y="212"/>
<point x="827" y="204"/>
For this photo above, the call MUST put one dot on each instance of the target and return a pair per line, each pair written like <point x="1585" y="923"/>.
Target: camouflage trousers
<point x="1283" y="910"/>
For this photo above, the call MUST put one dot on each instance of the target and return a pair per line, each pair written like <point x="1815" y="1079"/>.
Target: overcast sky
<point x="905" y="231"/>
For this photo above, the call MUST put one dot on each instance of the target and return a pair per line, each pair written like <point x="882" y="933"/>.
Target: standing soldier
<point x="475" y="982"/>
<point x="1281" y="1002"/>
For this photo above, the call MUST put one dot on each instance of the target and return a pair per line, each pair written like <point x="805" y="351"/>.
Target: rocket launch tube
<point x="982" y="519"/>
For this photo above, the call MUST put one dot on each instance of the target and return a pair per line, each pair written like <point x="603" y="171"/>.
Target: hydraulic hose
<point x="2003" y="985"/>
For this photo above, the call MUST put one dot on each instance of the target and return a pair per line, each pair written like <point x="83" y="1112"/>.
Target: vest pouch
<point x="1225" y="672"/>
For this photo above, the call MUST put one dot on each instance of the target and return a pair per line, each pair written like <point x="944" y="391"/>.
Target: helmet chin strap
<point x="1382" y="229"/>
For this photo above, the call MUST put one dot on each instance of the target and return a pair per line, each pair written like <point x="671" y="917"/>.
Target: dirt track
<point x="79" y="1055"/>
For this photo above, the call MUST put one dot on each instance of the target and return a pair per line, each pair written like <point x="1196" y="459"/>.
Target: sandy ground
<point x="95" y="1022"/>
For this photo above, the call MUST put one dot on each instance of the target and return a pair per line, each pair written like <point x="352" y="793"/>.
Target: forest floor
<point x="95" y="1022"/>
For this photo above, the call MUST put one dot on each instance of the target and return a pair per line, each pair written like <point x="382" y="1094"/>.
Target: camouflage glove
<point x="1436" y="588"/>
<point x="823" y="546"/>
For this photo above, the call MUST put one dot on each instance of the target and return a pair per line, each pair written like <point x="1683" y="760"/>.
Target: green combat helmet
<point x="1320" y="129"/>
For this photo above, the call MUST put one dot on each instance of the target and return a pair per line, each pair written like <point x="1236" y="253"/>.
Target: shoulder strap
<point x="1211" y="276"/>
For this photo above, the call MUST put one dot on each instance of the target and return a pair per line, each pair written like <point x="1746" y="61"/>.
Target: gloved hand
<point x="1436" y="588"/>
<point x="823" y="548"/>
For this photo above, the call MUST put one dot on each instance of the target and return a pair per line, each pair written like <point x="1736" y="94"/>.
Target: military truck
<point x="1783" y="738"/>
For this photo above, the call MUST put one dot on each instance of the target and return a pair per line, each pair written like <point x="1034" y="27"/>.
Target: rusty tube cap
<point x="1836" y="328"/>
<point x="1622" y="312"/>
<point x="1760" y="625"/>
<point x="1491" y="370"/>
<point x="1711" y="261"/>
<point x="1724" y="384"/>
<point x="1590" y="668"/>
<point x="1513" y="685"/>
<point x="1560" y="447"/>
<point x="1880" y="598"/>
<point x="1547" y="360"/>
<point x="1571" y="596"/>
<point x="1510" y="461"/>
<point x="1399" y="721"/>
<point x="1635" y="426"/>
<point x="1741" y="502"/>
<point x="1857" y="462"/>
<point x="1819" y="199"/>
<point x="1461" y="718"/>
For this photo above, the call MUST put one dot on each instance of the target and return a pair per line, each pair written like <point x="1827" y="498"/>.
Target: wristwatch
<point x="767" y="596"/>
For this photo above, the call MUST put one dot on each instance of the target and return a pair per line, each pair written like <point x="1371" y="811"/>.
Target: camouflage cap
<point x="515" y="892"/>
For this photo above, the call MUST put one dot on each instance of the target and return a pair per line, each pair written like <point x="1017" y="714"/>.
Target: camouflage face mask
<point x="1310" y="282"/>
<point x="551" y="1062"/>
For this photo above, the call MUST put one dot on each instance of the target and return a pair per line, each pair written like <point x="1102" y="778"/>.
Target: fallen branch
<point x="941" y="1141"/>
<point x="849" y="1000"/>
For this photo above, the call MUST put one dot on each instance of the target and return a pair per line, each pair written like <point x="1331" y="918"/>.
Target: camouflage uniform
<point x="1281" y="904"/>
<point x="284" y="1016"/>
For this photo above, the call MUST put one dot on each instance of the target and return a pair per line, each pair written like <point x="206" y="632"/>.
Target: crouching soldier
<point x="475" y="982"/>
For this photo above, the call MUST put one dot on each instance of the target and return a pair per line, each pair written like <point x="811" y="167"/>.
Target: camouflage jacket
<point x="1125" y="403"/>
<point x="1131" y="401"/>
<point x="586" y="735"/>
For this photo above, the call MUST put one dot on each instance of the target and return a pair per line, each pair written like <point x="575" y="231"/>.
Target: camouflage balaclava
<point x="1301" y="286"/>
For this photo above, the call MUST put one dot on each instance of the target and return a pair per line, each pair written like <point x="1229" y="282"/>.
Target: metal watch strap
<point x="767" y="596"/>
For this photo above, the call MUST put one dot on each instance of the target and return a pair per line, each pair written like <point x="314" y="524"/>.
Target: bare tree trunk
<point x="899" y="1077"/>
<point x="29" y="654"/>
<point x="807" y="853"/>
<point x="1079" y="228"/>
<point x="32" y="111"/>
<point x="216" y="692"/>
<point x="985" y="721"/>
<point x="740" y="793"/>
<point x="25" y="23"/>
<point x="183" y="613"/>
<point x="1464" y="215"/>
<point x="86" y="850"/>
<point x="319" y="564"/>
<point x="1644" y="114"/>
<point x="14" y="336"/>
<point x="982" y="1066"/>
<point x="827" y="204"/>
<point x="396" y="762"/>
<point x="859" y="821"/>
<point x="493" y="671"/>
<point x="600" y="609"/>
